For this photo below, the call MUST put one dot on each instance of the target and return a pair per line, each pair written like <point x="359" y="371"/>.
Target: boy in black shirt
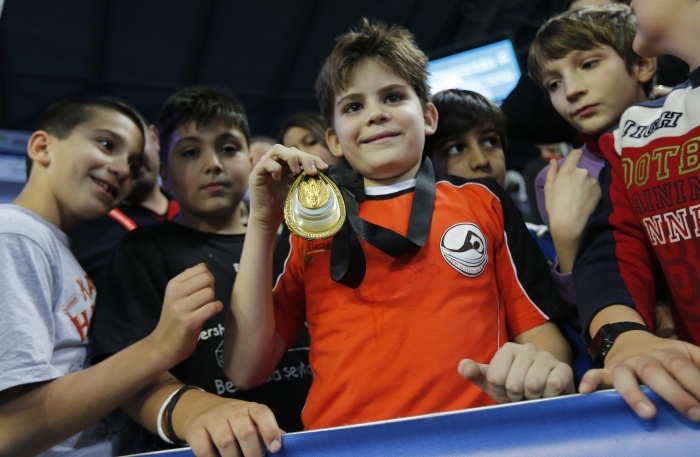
<point x="204" y="138"/>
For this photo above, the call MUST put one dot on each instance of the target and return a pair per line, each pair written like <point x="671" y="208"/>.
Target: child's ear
<point x="333" y="143"/>
<point x="430" y="115"/>
<point x="644" y="68"/>
<point x="39" y="147"/>
<point x="152" y="130"/>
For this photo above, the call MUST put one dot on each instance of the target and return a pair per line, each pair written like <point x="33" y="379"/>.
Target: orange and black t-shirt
<point x="390" y="347"/>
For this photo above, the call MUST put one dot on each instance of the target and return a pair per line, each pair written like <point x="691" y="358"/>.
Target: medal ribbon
<point x="348" y="263"/>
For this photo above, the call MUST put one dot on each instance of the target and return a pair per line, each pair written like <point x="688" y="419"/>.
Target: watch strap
<point x="605" y="337"/>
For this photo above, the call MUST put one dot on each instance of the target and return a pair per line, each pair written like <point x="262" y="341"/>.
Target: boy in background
<point x="204" y="136"/>
<point x="434" y="284"/>
<point x="646" y="229"/>
<point x="82" y="155"/>
<point x="585" y="62"/>
<point x="470" y="136"/>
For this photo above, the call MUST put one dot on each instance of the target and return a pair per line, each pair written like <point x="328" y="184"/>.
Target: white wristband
<point x="159" y="420"/>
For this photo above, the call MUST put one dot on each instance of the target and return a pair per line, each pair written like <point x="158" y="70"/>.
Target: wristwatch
<point x="605" y="337"/>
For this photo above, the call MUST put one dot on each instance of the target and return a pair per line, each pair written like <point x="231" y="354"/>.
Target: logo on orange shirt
<point x="463" y="246"/>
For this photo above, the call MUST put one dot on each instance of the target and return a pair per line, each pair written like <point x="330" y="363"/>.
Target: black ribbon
<point x="348" y="263"/>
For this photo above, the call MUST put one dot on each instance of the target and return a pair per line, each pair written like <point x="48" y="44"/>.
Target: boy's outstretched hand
<point x="232" y="428"/>
<point x="671" y="368"/>
<point x="520" y="372"/>
<point x="189" y="302"/>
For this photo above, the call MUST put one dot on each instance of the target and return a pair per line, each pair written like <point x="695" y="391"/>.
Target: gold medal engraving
<point x="314" y="207"/>
<point x="313" y="193"/>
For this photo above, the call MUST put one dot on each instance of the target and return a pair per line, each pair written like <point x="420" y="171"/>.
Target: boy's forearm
<point x="566" y="252"/>
<point x="143" y="407"/>
<point x="35" y="418"/>
<point x="249" y="342"/>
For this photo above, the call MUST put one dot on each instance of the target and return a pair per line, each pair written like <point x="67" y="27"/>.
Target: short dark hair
<point x="392" y="46"/>
<point x="461" y="111"/>
<point x="203" y="105"/>
<point x="62" y="117"/>
<point x="65" y="115"/>
<point x="315" y="123"/>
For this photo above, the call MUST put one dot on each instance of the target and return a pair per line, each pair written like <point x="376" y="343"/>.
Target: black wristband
<point x="605" y="337"/>
<point x="169" y="430"/>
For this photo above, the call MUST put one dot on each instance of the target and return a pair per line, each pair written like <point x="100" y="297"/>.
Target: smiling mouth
<point x="107" y="186"/>
<point x="380" y="137"/>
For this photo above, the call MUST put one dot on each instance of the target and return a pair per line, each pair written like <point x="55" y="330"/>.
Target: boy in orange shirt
<point x="445" y="275"/>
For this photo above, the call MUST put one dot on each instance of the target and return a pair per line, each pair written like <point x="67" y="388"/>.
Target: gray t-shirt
<point x="46" y="303"/>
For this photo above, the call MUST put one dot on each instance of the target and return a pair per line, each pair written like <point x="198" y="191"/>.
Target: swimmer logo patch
<point x="463" y="246"/>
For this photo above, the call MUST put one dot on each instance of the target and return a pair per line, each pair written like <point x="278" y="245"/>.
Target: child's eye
<point x="190" y="152"/>
<point x="453" y="149"/>
<point x="588" y="64"/>
<point x="310" y="142"/>
<point x="230" y="149"/>
<point x="394" y="97"/>
<point x="552" y="85"/>
<point x="351" y="108"/>
<point x="107" y="144"/>
<point x="491" y="142"/>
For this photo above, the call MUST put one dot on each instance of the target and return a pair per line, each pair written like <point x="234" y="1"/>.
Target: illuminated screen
<point x="13" y="150"/>
<point x="490" y="70"/>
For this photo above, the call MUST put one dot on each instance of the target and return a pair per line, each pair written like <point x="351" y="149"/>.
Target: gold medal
<point x="314" y="207"/>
